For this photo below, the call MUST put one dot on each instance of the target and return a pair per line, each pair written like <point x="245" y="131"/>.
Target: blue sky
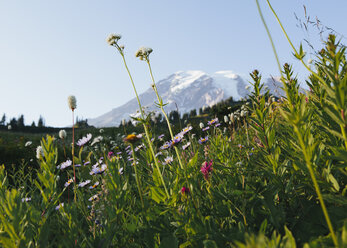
<point x="52" y="49"/>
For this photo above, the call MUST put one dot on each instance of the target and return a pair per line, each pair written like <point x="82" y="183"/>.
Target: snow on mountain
<point x="185" y="90"/>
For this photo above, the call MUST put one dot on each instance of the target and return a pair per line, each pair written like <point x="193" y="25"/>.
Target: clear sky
<point x="52" y="49"/>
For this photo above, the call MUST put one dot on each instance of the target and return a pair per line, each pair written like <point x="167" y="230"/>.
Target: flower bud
<point x="39" y="152"/>
<point x="62" y="134"/>
<point x="71" y="100"/>
<point x="226" y="119"/>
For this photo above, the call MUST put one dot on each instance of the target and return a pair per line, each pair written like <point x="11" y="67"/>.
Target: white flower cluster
<point x="237" y="115"/>
<point x="112" y="39"/>
<point x="71" y="100"/>
<point x="62" y="134"/>
<point x="143" y="53"/>
<point x="28" y="143"/>
<point x="39" y="152"/>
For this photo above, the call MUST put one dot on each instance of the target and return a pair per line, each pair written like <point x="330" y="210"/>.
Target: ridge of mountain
<point x="185" y="90"/>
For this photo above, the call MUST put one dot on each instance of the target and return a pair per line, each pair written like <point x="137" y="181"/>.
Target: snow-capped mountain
<point x="185" y="90"/>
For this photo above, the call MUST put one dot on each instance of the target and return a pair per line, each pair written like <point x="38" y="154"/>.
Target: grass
<point x="273" y="176"/>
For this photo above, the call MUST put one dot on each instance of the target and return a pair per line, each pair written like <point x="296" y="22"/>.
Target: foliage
<point x="273" y="176"/>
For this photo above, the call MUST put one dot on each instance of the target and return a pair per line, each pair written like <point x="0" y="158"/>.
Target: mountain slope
<point x="185" y="90"/>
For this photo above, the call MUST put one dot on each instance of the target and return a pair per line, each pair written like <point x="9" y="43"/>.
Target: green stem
<point x="269" y="34"/>
<point x="244" y="120"/>
<point x="145" y="127"/>
<point x="160" y="101"/>
<point x="316" y="186"/>
<point x="343" y="131"/>
<point x="73" y="153"/>
<point x="137" y="176"/>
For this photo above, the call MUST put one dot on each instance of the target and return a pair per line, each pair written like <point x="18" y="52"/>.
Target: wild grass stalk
<point x="143" y="53"/>
<point x="72" y="104"/>
<point x="113" y="41"/>
<point x="137" y="175"/>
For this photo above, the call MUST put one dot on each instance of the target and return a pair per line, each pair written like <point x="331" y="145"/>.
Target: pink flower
<point x="110" y="155"/>
<point x="206" y="169"/>
<point x="185" y="190"/>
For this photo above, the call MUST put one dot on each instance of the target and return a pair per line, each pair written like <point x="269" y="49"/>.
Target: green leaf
<point x="210" y="244"/>
<point x="193" y="160"/>
<point x="334" y="115"/>
<point x="158" y="195"/>
<point x="289" y="239"/>
<point x="169" y="241"/>
<point x="334" y="182"/>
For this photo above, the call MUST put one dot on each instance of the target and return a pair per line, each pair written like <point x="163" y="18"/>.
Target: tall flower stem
<point x="73" y="153"/>
<point x="64" y="148"/>
<point x="316" y="186"/>
<point x="144" y="126"/>
<point x="137" y="175"/>
<point x="246" y="127"/>
<point x="160" y="103"/>
<point x="269" y="34"/>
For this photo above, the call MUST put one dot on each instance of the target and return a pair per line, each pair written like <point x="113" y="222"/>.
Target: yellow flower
<point x="131" y="138"/>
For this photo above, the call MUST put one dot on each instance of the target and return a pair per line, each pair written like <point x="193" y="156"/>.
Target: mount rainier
<point x="188" y="90"/>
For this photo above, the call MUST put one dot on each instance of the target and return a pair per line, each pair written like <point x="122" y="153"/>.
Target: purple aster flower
<point x="65" y="164"/>
<point x="212" y="122"/>
<point x="138" y="147"/>
<point x="86" y="163"/>
<point x="82" y="184"/>
<point x="206" y="128"/>
<point x="217" y="125"/>
<point x="68" y="182"/>
<point x="161" y="136"/>
<point x="98" y="170"/>
<point x="94" y="185"/>
<point x="177" y="139"/>
<point x="119" y="153"/>
<point x="206" y="169"/>
<point x="168" y="160"/>
<point x="26" y="199"/>
<point x="186" y="130"/>
<point x="93" y="197"/>
<point x="203" y="140"/>
<point x="84" y="140"/>
<point x="185" y="146"/>
<point x="159" y="153"/>
<point x="165" y="146"/>
<point x="77" y="165"/>
<point x="59" y="206"/>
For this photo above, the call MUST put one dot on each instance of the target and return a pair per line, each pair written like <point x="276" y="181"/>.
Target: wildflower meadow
<point x="270" y="173"/>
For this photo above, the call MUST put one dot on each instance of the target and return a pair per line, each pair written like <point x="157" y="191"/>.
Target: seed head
<point x="143" y="53"/>
<point x="39" y="152"/>
<point x="71" y="100"/>
<point x="62" y="134"/>
<point x="232" y="117"/>
<point x="112" y="39"/>
<point x="226" y="119"/>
